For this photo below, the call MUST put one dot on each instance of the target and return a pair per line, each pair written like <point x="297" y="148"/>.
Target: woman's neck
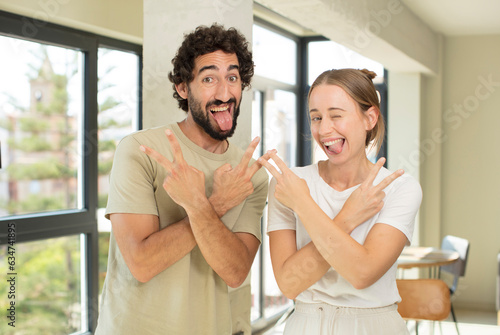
<point x="347" y="175"/>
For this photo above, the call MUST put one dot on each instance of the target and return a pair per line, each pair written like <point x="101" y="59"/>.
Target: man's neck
<point x="199" y="137"/>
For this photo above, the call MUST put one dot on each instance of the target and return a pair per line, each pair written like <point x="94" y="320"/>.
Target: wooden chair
<point x="423" y="299"/>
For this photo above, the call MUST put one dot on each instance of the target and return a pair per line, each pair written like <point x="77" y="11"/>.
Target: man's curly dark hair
<point x="205" y="40"/>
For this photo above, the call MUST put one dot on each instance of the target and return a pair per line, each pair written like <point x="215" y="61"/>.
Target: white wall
<point x="403" y="135"/>
<point x="470" y="194"/>
<point x="165" y="23"/>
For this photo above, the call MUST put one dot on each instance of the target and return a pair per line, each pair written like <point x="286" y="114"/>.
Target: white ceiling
<point x="448" y="17"/>
<point x="458" y="17"/>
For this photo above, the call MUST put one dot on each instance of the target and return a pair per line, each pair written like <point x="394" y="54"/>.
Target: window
<point x="117" y="98"/>
<point x="40" y="125"/>
<point x="285" y="67"/>
<point x="274" y="109"/>
<point x="62" y="107"/>
<point x="49" y="288"/>
<point x="275" y="56"/>
<point x="326" y="55"/>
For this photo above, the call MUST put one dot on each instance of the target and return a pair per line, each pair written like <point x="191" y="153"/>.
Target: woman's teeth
<point x="332" y="142"/>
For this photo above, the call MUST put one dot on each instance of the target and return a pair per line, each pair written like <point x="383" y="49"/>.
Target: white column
<point x="403" y="137"/>
<point x="165" y="23"/>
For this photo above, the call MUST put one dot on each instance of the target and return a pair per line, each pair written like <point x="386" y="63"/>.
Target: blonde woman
<point x="336" y="228"/>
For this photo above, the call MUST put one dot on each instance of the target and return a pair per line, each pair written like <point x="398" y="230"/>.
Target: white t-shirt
<point x="401" y="203"/>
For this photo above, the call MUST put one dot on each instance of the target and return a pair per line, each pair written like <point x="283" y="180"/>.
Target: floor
<point x="470" y="323"/>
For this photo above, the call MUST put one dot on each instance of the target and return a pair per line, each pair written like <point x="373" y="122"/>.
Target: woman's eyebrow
<point x="329" y="109"/>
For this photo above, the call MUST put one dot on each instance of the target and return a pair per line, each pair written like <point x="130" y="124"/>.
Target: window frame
<point x="304" y="147"/>
<point x="41" y="226"/>
<point x="259" y="84"/>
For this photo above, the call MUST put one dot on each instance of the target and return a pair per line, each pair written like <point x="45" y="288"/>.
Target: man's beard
<point x="202" y="118"/>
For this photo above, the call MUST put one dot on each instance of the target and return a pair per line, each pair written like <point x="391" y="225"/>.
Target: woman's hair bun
<point x="369" y="74"/>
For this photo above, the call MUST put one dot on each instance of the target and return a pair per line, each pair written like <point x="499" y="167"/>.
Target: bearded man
<point x="184" y="203"/>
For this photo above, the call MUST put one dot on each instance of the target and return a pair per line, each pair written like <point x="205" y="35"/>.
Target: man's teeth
<point x="219" y="109"/>
<point x="332" y="142"/>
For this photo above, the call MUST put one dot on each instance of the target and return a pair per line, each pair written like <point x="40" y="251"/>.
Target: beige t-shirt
<point x="188" y="297"/>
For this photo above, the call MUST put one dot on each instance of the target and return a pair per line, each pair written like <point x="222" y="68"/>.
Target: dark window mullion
<point x="90" y="168"/>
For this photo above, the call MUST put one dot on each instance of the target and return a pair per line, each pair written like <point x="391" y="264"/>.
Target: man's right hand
<point x="233" y="185"/>
<point x="179" y="174"/>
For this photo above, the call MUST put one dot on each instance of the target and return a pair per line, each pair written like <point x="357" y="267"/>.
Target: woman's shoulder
<point x="306" y="172"/>
<point x="406" y="182"/>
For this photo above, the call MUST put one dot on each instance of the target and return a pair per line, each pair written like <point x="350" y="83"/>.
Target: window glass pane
<point x="280" y="126"/>
<point x="40" y="127"/>
<point x="257" y="121"/>
<point x="256" y="266"/>
<point x="274" y="300"/>
<point x="47" y="286"/>
<point x="274" y="120"/>
<point x="327" y="55"/>
<point x="118" y="94"/>
<point x="280" y="133"/>
<point x="256" y="289"/>
<point x="274" y="55"/>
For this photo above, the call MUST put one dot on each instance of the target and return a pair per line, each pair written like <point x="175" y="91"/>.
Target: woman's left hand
<point x="290" y="189"/>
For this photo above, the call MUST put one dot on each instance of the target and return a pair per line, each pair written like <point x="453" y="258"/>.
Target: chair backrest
<point x="457" y="269"/>
<point x="424" y="299"/>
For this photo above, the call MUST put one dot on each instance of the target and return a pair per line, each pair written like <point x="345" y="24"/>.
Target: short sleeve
<point x="279" y="216"/>
<point x="249" y="219"/>
<point x="401" y="205"/>
<point x="131" y="181"/>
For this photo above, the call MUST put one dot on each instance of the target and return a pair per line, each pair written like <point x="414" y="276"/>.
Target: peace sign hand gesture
<point x="367" y="199"/>
<point x="184" y="183"/>
<point x="362" y="204"/>
<point x="233" y="185"/>
<point x="289" y="187"/>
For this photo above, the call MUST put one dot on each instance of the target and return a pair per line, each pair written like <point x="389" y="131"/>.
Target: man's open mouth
<point x="223" y="115"/>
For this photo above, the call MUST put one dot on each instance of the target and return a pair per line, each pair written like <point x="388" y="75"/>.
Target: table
<point x="426" y="257"/>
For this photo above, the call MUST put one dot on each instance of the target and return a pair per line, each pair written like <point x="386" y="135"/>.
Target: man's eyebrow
<point x="214" y="67"/>
<point x="208" y="67"/>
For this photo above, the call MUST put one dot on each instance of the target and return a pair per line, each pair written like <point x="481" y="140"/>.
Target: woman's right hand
<point x="366" y="200"/>
<point x="290" y="189"/>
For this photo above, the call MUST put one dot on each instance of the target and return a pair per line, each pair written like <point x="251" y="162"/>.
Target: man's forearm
<point x="146" y="257"/>
<point x="225" y="252"/>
